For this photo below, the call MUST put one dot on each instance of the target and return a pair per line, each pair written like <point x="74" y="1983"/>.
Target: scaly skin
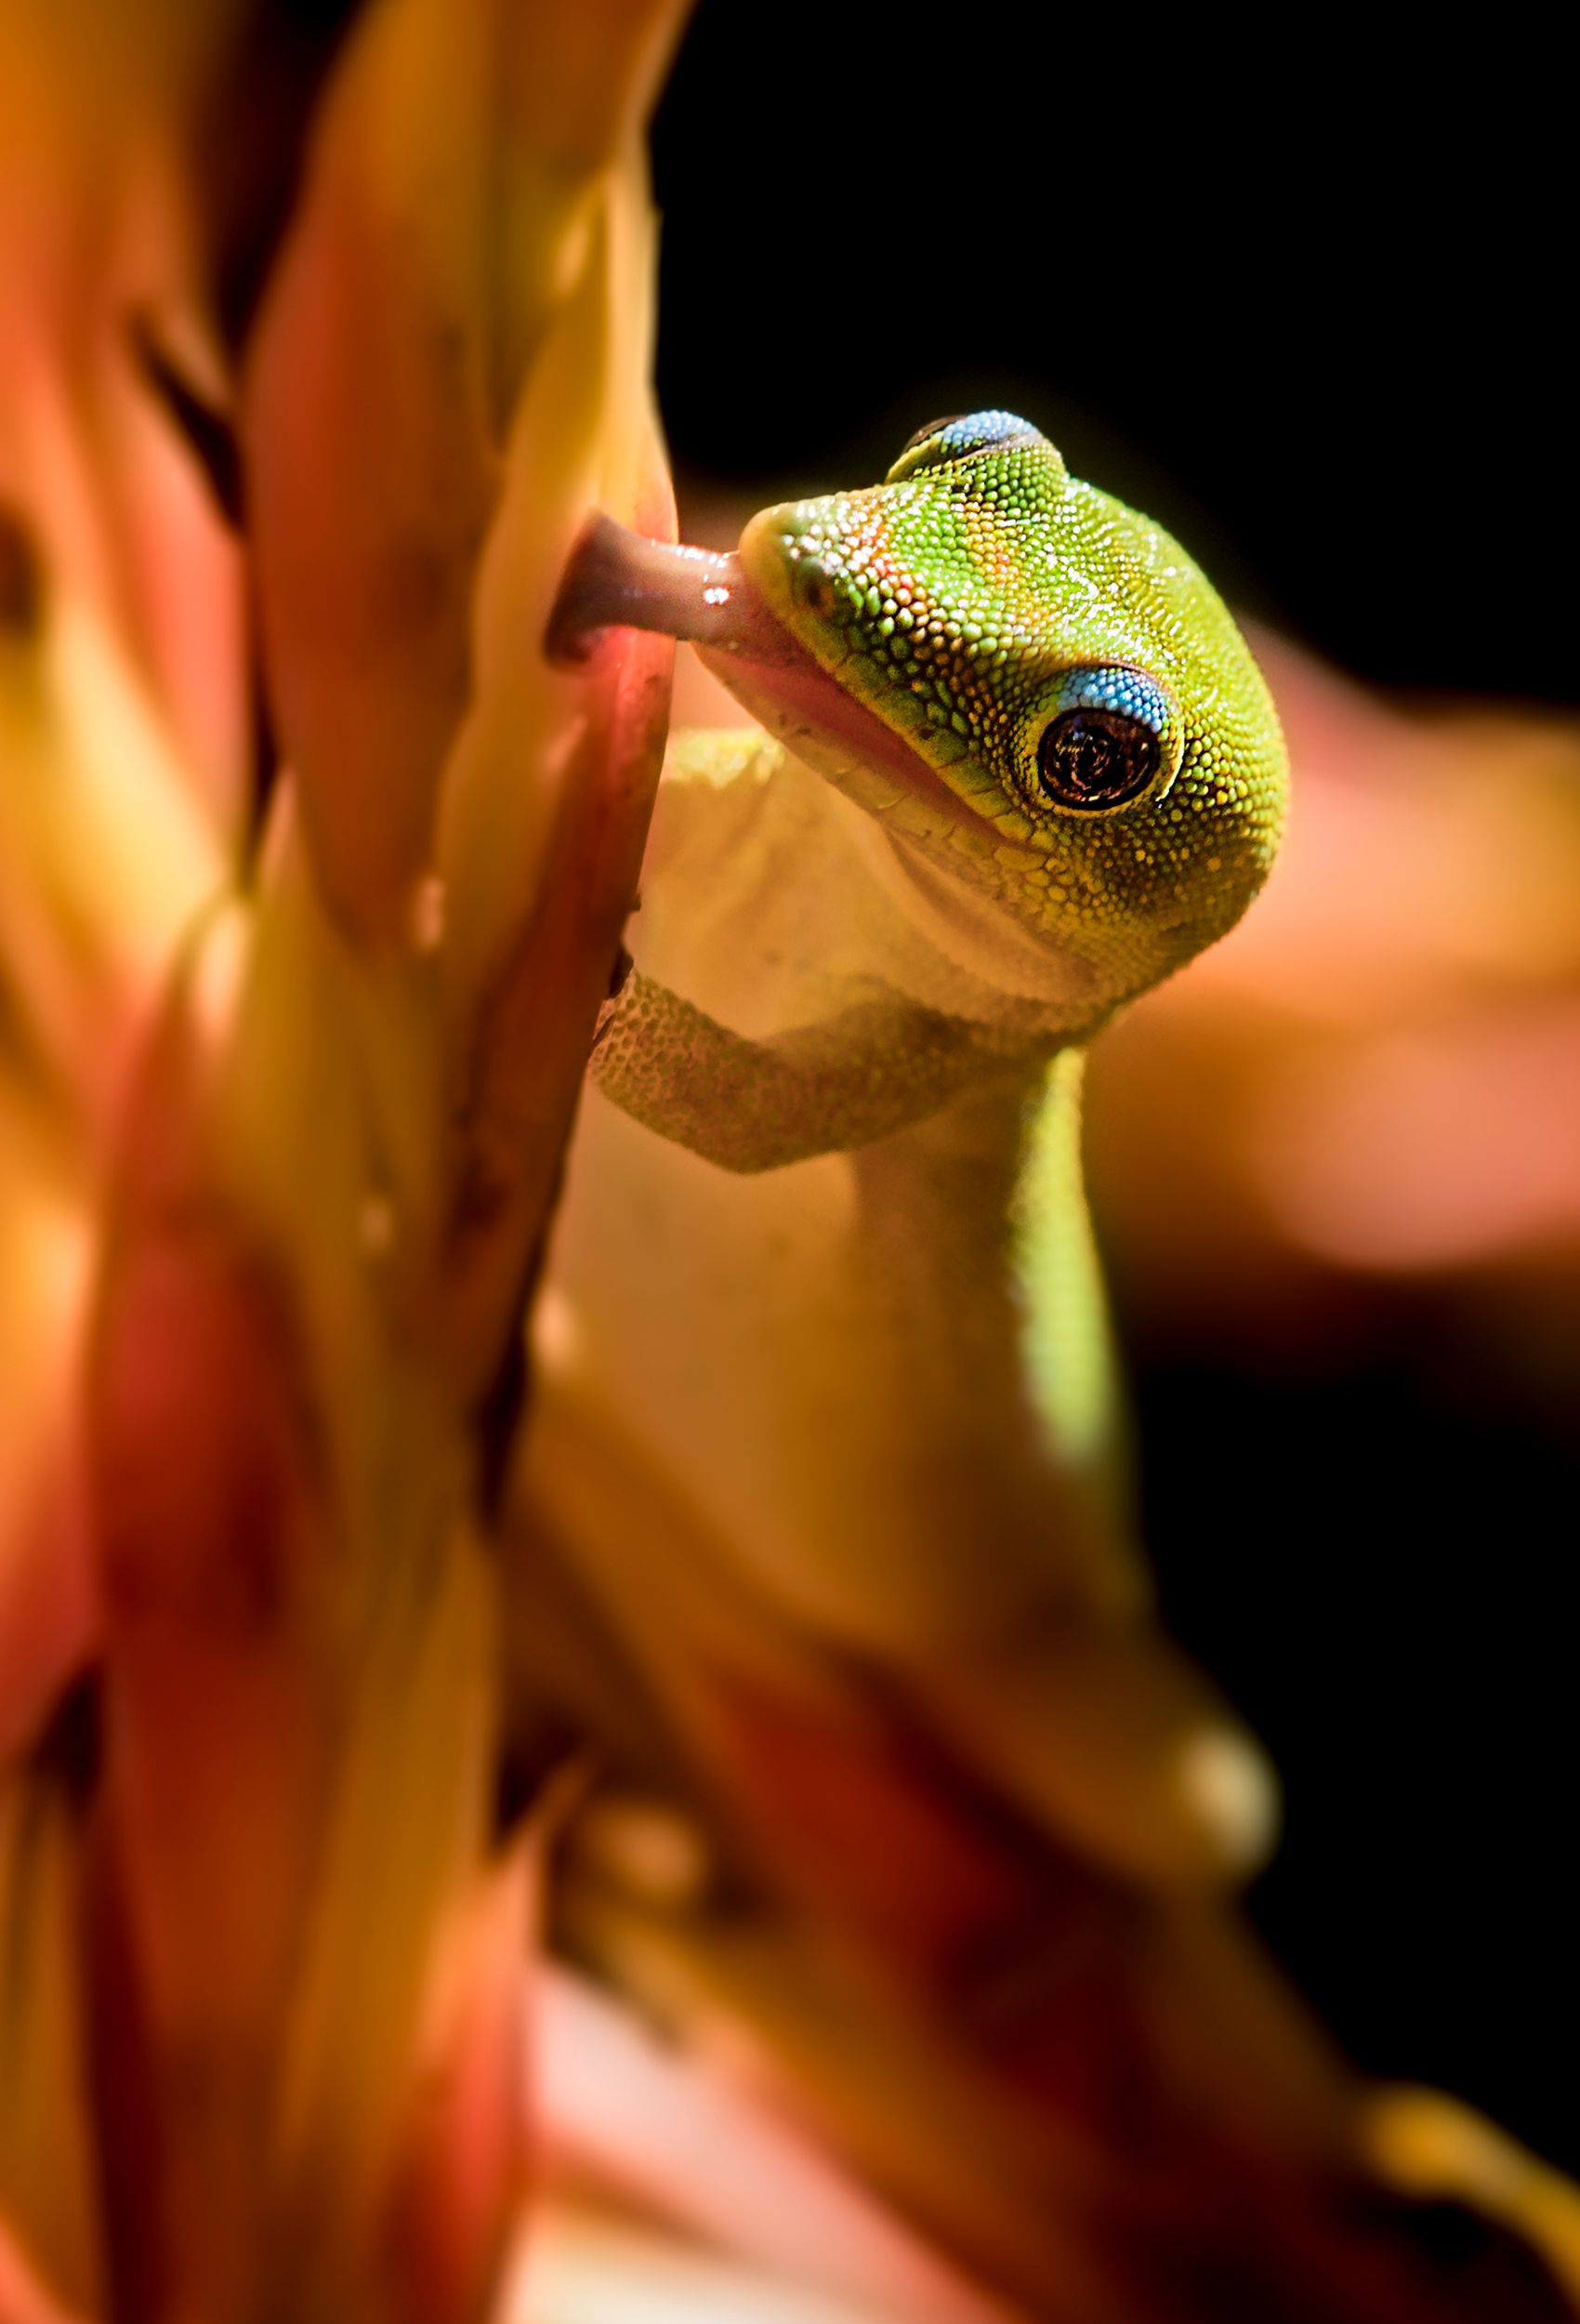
<point x="964" y="600"/>
<point x="845" y="1300"/>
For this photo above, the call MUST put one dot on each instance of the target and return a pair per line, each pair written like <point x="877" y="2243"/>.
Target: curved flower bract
<point x="304" y="1293"/>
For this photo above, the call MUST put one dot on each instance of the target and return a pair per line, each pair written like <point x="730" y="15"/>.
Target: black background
<point x="1316" y="306"/>
<point x="1304" y="291"/>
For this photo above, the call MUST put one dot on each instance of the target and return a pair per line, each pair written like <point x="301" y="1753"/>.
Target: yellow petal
<point x="440" y="238"/>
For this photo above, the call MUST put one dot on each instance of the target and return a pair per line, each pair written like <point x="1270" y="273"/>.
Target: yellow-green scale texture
<point x="955" y="599"/>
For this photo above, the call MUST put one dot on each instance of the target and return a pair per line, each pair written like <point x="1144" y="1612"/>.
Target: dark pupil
<point x="1097" y="757"/>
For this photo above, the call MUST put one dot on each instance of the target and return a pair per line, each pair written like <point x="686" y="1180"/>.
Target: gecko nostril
<point x="810" y="581"/>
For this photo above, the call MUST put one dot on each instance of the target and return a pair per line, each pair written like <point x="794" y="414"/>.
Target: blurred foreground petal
<point x="49" y="2239"/>
<point x="98" y="240"/>
<point x="106" y="857"/>
<point x="1431" y="2148"/>
<point x="23" y="2299"/>
<point x="45" y="1591"/>
<point x="301" y="2011"/>
<point x="586" y="2269"/>
<point x="627" y="2116"/>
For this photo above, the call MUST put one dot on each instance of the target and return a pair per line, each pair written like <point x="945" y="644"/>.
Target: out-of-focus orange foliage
<point x="1373" y="1081"/>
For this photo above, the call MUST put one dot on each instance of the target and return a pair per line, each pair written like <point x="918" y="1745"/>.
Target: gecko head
<point x="1032" y="688"/>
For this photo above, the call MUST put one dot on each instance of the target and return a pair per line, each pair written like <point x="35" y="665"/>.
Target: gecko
<point x="824" y="1258"/>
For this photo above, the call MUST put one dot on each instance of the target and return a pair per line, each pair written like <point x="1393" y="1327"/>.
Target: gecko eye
<point x="944" y="439"/>
<point x="1113" y="731"/>
<point x="929" y="429"/>
<point x="1096" y="758"/>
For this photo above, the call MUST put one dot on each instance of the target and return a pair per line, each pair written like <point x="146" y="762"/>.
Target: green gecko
<point x="823" y="1262"/>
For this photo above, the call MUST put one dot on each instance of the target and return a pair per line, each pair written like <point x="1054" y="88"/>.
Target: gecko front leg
<point x="869" y="1071"/>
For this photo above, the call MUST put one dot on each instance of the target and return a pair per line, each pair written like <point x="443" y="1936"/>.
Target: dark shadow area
<point x="1385" y="1585"/>
<point x="1307" y="310"/>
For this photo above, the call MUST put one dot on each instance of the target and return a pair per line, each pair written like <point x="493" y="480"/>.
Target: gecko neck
<point x="949" y="943"/>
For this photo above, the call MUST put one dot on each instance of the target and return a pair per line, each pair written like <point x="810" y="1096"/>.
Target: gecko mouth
<point x="806" y="708"/>
<point x="616" y="578"/>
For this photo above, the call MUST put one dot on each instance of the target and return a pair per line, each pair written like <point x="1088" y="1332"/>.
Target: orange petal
<point x="432" y="252"/>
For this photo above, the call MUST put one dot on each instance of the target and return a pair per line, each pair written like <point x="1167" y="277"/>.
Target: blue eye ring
<point x="1112" y="737"/>
<point x="955" y="438"/>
